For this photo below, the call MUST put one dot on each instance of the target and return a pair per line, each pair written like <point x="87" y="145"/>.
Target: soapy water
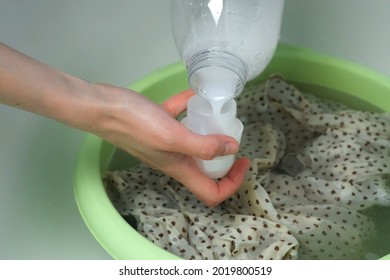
<point x="379" y="245"/>
<point x="373" y="248"/>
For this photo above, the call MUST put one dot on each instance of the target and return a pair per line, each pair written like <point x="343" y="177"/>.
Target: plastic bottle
<point x="224" y="44"/>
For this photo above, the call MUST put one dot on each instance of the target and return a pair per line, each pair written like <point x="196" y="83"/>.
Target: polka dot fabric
<point x="316" y="166"/>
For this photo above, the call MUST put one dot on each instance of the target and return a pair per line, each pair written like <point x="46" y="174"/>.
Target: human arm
<point x="123" y="117"/>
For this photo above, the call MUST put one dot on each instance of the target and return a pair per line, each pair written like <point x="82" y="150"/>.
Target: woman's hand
<point x="151" y="133"/>
<point x="125" y="118"/>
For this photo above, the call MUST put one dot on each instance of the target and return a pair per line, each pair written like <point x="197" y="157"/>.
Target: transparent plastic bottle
<point x="225" y="43"/>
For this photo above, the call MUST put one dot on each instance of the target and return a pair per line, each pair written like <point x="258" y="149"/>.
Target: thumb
<point x="207" y="146"/>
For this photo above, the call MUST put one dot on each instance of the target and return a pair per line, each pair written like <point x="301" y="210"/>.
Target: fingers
<point x="177" y="103"/>
<point x="209" y="191"/>
<point x="206" y="146"/>
<point x="200" y="146"/>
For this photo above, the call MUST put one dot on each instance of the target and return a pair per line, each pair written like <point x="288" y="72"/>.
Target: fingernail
<point x="230" y="148"/>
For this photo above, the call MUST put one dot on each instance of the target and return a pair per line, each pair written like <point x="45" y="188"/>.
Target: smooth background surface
<point x="119" y="42"/>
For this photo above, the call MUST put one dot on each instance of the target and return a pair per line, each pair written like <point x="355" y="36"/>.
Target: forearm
<point x="38" y="88"/>
<point x="148" y="131"/>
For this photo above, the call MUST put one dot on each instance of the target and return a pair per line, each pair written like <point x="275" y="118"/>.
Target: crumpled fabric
<point x="316" y="166"/>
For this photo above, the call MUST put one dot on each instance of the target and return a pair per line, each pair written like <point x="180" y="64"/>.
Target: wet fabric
<point x="316" y="166"/>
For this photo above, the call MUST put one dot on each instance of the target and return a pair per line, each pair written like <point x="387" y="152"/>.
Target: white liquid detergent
<point x="202" y="119"/>
<point x="219" y="86"/>
<point x="224" y="44"/>
<point x="249" y="30"/>
<point x="217" y="104"/>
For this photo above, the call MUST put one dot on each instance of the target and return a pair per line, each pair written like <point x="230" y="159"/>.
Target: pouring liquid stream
<point x="217" y="104"/>
<point x="218" y="86"/>
<point x="217" y="98"/>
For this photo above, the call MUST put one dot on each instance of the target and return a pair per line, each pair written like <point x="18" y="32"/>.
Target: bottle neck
<point x="216" y="73"/>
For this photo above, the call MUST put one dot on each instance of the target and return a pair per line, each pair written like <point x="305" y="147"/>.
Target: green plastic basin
<point x="350" y="83"/>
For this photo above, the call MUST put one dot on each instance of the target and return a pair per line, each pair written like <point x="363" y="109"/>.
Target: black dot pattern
<point x="315" y="166"/>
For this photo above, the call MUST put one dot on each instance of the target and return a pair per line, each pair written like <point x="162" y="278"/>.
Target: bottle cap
<point x="200" y="119"/>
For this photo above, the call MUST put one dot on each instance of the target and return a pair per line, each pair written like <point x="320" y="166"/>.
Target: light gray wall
<point x="121" y="40"/>
<point x="356" y="30"/>
<point x="114" y="41"/>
